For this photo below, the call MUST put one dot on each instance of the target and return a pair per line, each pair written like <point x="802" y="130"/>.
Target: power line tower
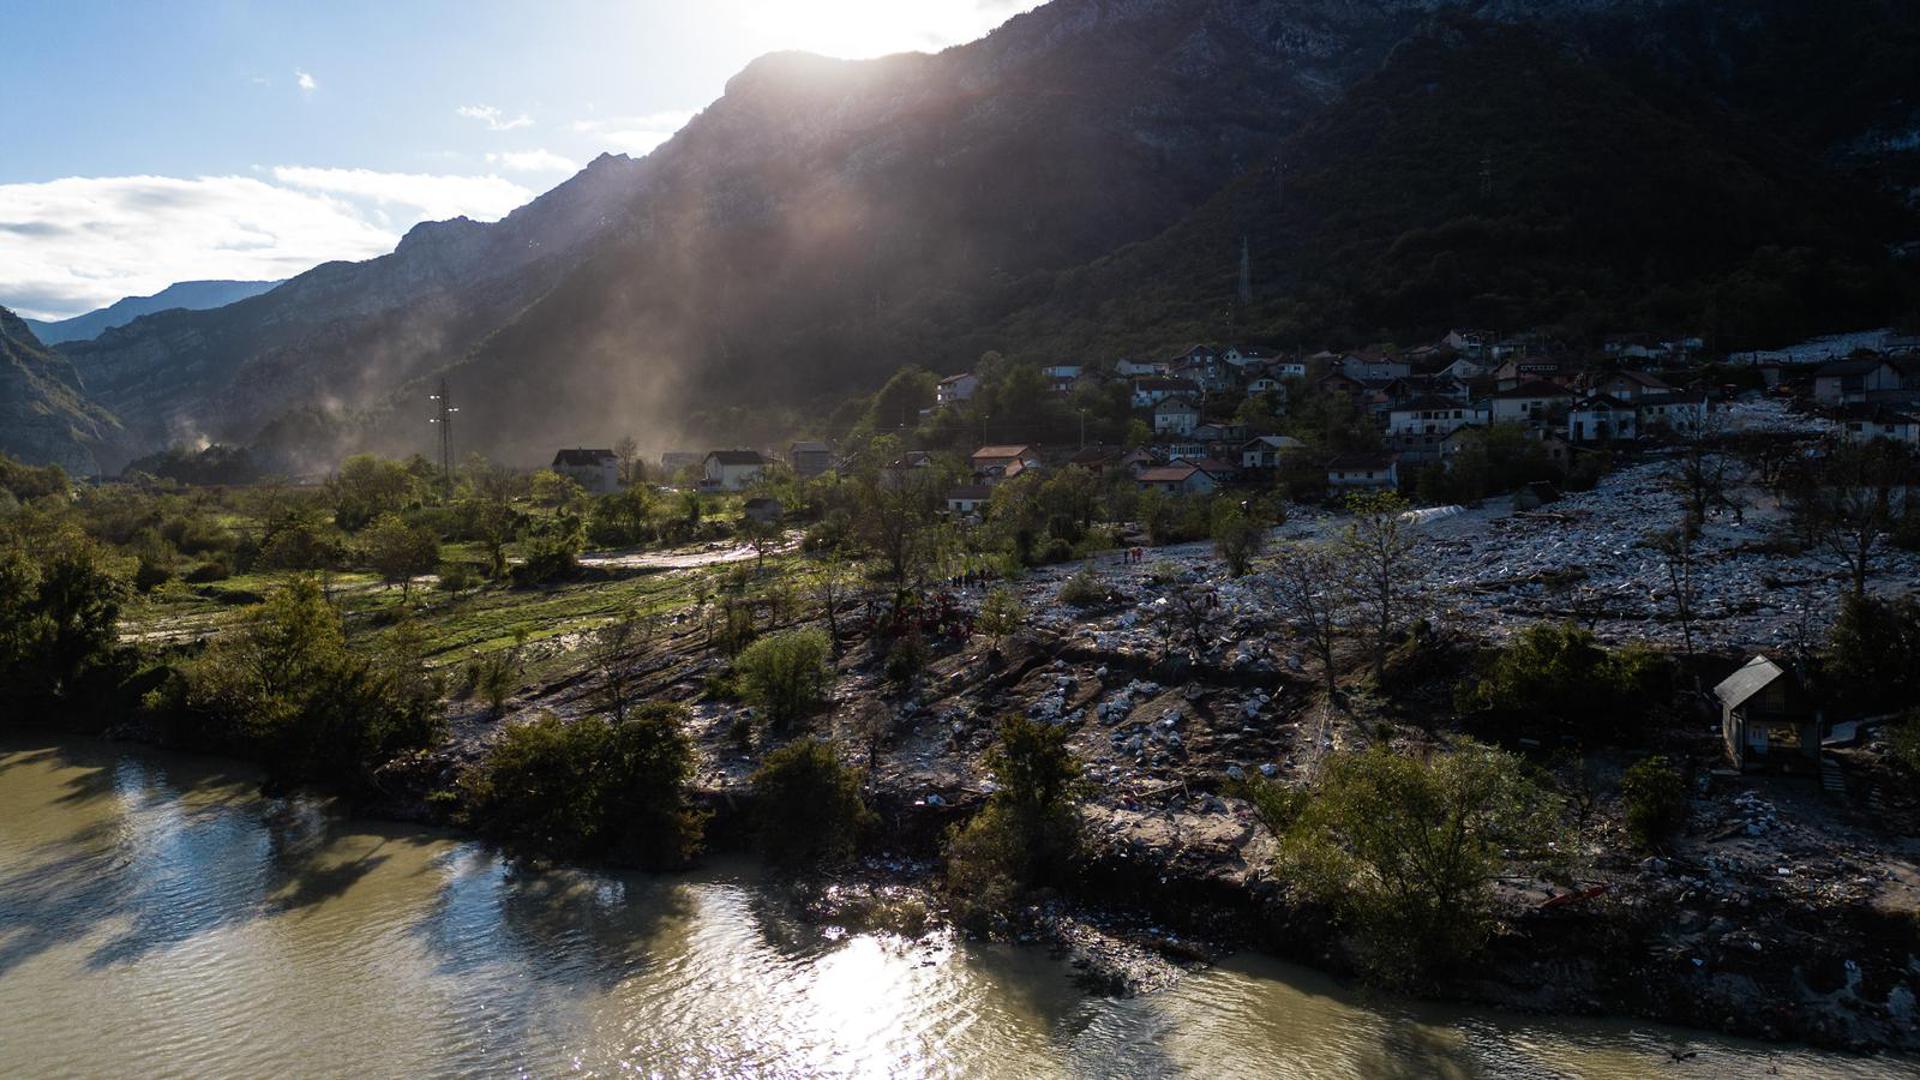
<point x="445" y="420"/>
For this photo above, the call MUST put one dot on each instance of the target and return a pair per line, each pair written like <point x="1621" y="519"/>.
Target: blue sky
<point x="142" y="144"/>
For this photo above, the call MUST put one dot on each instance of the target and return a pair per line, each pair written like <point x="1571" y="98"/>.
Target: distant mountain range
<point x="188" y="295"/>
<point x="1084" y="181"/>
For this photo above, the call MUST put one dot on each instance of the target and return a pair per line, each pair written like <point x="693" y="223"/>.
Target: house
<point x="1264" y="451"/>
<point x="955" y="389"/>
<point x="1534" y="401"/>
<point x="1133" y="461"/>
<point x="597" y="471"/>
<point x="1151" y="390"/>
<point x="1375" y="365"/>
<point x="1464" y="369"/>
<point x="1175" y="416"/>
<point x="1349" y="472"/>
<point x="1178" y="478"/>
<point x="1468" y="343"/>
<point x="1630" y="385"/>
<point x="1767" y="720"/>
<point x="968" y="498"/>
<point x="1344" y="385"/>
<point x="1602" y="419"/>
<point x="1428" y="416"/>
<point x="763" y="510"/>
<point x="1061" y="376"/>
<point x="1222" y="472"/>
<point x="1852" y="379"/>
<point x="1867" y="422"/>
<point x="1128" y="369"/>
<point x="1221" y="432"/>
<point x="994" y="463"/>
<point x="810" y="459"/>
<point x="732" y="470"/>
<point x="1248" y="356"/>
<point x="1672" y="413"/>
<point x="1269" y="385"/>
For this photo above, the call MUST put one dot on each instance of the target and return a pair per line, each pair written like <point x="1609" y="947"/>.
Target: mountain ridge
<point x="186" y="295"/>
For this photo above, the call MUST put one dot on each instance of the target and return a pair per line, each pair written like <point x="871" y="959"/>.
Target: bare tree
<point x="1676" y="546"/>
<point x="627" y="452"/>
<point x="610" y="651"/>
<point x="1847" y="503"/>
<point x="1376" y="554"/>
<point x="831" y="583"/>
<point x="1304" y="585"/>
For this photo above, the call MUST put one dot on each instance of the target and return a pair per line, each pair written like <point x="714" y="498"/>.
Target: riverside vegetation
<point x="496" y="650"/>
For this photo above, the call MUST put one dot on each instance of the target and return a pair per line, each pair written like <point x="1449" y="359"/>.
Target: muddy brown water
<point x="158" y="918"/>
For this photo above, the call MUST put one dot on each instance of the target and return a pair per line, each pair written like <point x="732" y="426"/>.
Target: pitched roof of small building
<point x="1754" y="676"/>
<point x="1176" y="404"/>
<point x="1277" y="442"/>
<point x="812" y="448"/>
<point x="1351" y="462"/>
<point x="1001" y="452"/>
<point x="736" y="457"/>
<point x="1429" y="403"/>
<point x="1169" y="474"/>
<point x="578" y="458"/>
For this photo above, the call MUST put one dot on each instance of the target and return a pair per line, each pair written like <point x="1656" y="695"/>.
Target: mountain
<point x="1085" y="175"/>
<point x="190" y="295"/>
<point x="45" y="417"/>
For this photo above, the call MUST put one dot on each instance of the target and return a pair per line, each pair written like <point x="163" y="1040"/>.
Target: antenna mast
<point x="445" y="420"/>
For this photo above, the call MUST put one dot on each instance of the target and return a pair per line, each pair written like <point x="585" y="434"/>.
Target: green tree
<point x="1554" y="676"/>
<point x="366" y="487"/>
<point x="784" y="675"/>
<point x="1001" y="614"/>
<point x="1656" y="801"/>
<point x="1237" y="538"/>
<point x="1870" y="655"/>
<point x="1406" y="849"/>
<point x="807" y="806"/>
<point x="60" y="597"/>
<point x="400" y="552"/>
<point x="1028" y="833"/>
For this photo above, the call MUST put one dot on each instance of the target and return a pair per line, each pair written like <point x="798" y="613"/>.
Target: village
<point x="1178" y="678"/>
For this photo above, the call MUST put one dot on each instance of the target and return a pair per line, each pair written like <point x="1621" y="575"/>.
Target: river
<point x="159" y="918"/>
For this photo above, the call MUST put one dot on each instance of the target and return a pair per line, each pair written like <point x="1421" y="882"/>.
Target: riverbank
<point x="159" y="897"/>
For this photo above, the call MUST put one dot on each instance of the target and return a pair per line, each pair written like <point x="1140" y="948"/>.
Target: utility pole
<point x="445" y="420"/>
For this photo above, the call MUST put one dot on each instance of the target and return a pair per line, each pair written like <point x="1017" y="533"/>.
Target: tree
<point x="807" y="805"/>
<point x="1237" y="538"/>
<point x="1303" y="585"/>
<point x="1656" y="800"/>
<point x="784" y="675"/>
<point x="399" y="552"/>
<point x="1407" y="849"/>
<point x="1558" y="676"/>
<point x="1870" y="653"/>
<point x="1029" y="831"/>
<point x="557" y="492"/>
<point x="1001" y="614"/>
<point x="1376" y="550"/>
<point x="610" y="651"/>
<point x="589" y="788"/>
<point x="60" y="598"/>
<point x="1676" y="546"/>
<point x="627" y="452"/>
<point x="897" y="508"/>
<point x="1849" y="502"/>
<point x="830" y="583"/>
<point x="367" y="487"/>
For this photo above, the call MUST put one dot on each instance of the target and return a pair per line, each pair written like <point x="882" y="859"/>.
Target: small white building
<point x="1530" y="402"/>
<point x="1602" y="419"/>
<point x="1428" y="415"/>
<point x="955" y="389"/>
<point x="732" y="470"/>
<point x="1178" y="478"/>
<point x="597" y="471"/>
<point x="1175" y="416"/>
<point x="1265" y="451"/>
<point x="1363" y="472"/>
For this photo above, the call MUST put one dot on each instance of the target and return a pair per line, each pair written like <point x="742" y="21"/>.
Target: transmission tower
<point x="445" y="420"/>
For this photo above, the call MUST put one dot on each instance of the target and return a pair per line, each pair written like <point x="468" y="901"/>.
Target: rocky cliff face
<point x="45" y="417"/>
<point x="827" y="220"/>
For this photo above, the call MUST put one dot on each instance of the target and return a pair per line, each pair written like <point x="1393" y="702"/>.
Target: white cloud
<point x="420" y="196"/>
<point x="493" y="117"/>
<point x="75" y="244"/>
<point x="306" y="81"/>
<point x="635" y="135"/>
<point x="533" y="161"/>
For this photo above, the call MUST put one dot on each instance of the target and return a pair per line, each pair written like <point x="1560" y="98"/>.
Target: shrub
<point x="1904" y="738"/>
<point x="1001" y="614"/>
<point x="1084" y="589"/>
<point x="1557" y="675"/>
<point x="210" y="571"/>
<point x="590" y="788"/>
<point x="1406" y="850"/>
<point x="784" y="675"/>
<point x="1656" y="799"/>
<point x="907" y="659"/>
<point x="807" y="806"/>
<point x="1237" y="538"/>
<point x="59" y="618"/>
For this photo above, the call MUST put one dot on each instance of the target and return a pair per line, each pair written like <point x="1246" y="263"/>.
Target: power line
<point x="445" y="420"/>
